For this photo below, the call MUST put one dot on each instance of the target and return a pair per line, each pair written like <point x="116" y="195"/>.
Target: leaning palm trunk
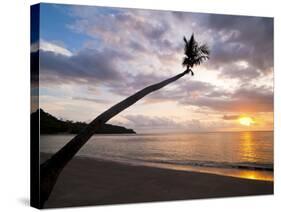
<point x="51" y="169"/>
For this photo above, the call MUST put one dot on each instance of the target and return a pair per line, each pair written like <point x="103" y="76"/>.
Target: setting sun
<point x="247" y="121"/>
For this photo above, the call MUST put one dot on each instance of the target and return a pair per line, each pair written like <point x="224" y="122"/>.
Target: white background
<point x="14" y="106"/>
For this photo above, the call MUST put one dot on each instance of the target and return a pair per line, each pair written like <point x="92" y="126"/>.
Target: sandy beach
<point x="86" y="181"/>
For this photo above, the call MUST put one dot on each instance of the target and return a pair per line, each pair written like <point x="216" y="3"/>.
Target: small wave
<point x="209" y="164"/>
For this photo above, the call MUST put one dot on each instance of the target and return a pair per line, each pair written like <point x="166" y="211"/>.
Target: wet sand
<point x="87" y="181"/>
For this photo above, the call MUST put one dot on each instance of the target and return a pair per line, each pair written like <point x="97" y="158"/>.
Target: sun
<point x="246" y="121"/>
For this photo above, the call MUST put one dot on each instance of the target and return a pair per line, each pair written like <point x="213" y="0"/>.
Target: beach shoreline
<point x="86" y="181"/>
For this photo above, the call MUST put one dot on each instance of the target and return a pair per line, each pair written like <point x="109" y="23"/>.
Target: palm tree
<point x="195" y="54"/>
<point x="50" y="170"/>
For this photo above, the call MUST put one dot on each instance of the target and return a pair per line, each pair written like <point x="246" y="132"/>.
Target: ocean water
<point x="238" y="154"/>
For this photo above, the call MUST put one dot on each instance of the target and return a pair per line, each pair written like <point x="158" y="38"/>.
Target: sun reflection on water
<point x="247" y="146"/>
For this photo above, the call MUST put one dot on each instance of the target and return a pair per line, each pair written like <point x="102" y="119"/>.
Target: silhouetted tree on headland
<point x="50" y="170"/>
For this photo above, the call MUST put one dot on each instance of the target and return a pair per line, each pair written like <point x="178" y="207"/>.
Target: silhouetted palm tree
<point x="195" y="54"/>
<point x="50" y="170"/>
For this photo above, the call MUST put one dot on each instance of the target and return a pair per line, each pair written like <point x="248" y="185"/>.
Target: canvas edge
<point x="34" y="98"/>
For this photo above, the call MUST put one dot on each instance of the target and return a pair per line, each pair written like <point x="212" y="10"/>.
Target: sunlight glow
<point x="246" y="121"/>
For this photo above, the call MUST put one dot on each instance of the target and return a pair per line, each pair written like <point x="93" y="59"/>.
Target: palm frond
<point x="195" y="54"/>
<point x="184" y="39"/>
<point x="198" y="60"/>
<point x="204" y="49"/>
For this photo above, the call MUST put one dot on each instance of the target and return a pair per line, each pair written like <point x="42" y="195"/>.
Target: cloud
<point x="142" y="121"/>
<point x="56" y="48"/>
<point x="121" y="26"/>
<point x="242" y="100"/>
<point x="168" y="124"/>
<point x="155" y="123"/>
<point x="242" y="38"/>
<point x="183" y="89"/>
<point x="128" y="50"/>
<point x="237" y="71"/>
<point x="101" y="68"/>
<point x="135" y="31"/>
<point x="230" y="117"/>
<point x="34" y="47"/>
<point x="100" y="101"/>
<point x="87" y="66"/>
<point x="158" y="35"/>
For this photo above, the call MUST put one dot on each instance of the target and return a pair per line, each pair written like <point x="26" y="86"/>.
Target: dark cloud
<point x="100" y="101"/>
<point x="86" y="66"/>
<point x="134" y="30"/>
<point x="242" y="38"/>
<point x="216" y="93"/>
<point x="242" y="100"/>
<point x="133" y="83"/>
<point x="234" y="71"/>
<point x="230" y="117"/>
<point x="225" y="53"/>
<point x="183" y="89"/>
<point x="137" y="46"/>
<point x="155" y="32"/>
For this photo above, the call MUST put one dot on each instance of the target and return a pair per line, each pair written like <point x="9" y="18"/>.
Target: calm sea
<point x="239" y="154"/>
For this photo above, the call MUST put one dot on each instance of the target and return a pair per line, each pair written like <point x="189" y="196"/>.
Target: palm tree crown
<point x="195" y="54"/>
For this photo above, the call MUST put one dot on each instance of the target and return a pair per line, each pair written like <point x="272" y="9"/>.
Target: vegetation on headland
<point x="49" y="124"/>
